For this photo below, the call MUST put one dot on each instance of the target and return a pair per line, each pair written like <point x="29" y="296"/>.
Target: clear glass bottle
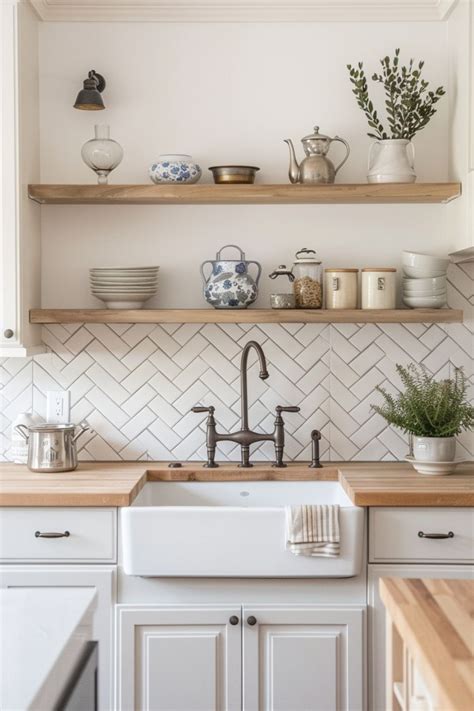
<point x="307" y="286"/>
<point x="102" y="153"/>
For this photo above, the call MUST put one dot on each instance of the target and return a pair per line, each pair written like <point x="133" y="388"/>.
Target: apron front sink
<point x="232" y="529"/>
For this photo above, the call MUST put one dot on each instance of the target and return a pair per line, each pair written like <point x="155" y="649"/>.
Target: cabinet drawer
<point x="91" y="535"/>
<point x="395" y="535"/>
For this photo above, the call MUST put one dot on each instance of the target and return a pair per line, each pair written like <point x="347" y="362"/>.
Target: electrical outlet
<point x="58" y="406"/>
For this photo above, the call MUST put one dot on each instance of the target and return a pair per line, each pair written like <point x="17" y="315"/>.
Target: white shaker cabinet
<point x="20" y="238"/>
<point x="178" y="657"/>
<point x="291" y="658"/>
<point x="303" y="658"/>
<point x="402" y="544"/>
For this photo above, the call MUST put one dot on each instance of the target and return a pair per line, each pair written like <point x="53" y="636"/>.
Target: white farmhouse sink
<point x="231" y="529"/>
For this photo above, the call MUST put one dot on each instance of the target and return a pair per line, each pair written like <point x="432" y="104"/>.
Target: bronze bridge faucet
<point x="245" y="436"/>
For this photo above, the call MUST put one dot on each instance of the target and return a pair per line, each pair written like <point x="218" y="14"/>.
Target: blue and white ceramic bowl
<point x="175" y="168"/>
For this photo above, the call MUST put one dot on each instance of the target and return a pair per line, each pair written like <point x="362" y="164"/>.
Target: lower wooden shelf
<point x="245" y="316"/>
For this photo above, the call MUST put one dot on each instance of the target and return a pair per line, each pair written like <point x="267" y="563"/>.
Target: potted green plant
<point x="432" y="411"/>
<point x="409" y="106"/>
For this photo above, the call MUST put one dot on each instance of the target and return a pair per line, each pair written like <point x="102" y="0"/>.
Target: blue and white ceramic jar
<point x="229" y="285"/>
<point x="175" y="168"/>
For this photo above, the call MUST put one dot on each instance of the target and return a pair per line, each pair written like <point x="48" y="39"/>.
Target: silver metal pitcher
<point x="51" y="448"/>
<point x="315" y="167"/>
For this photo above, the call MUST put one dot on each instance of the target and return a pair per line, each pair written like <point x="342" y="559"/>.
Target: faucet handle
<point x="290" y="408"/>
<point x="200" y="408"/>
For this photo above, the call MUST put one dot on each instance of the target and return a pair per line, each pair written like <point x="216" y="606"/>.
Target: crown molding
<point x="243" y="10"/>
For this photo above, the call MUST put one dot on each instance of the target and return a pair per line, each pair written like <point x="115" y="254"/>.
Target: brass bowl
<point x="225" y="174"/>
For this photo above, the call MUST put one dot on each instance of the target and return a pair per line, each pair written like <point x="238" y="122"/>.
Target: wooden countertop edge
<point x="437" y="665"/>
<point x="109" y="484"/>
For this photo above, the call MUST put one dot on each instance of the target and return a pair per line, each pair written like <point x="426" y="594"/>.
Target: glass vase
<point x="102" y="154"/>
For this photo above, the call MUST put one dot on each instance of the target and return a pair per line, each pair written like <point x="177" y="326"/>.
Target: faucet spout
<point x="243" y="382"/>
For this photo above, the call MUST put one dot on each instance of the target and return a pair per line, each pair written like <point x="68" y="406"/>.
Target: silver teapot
<point x="315" y="167"/>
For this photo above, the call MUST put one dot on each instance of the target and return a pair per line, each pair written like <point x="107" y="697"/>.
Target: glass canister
<point x="340" y="288"/>
<point x="378" y="289"/>
<point x="307" y="285"/>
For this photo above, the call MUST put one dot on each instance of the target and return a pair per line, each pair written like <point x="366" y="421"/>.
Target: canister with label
<point x="341" y="288"/>
<point x="378" y="290"/>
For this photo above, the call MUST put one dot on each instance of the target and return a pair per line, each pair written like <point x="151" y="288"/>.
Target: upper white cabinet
<point x="238" y="11"/>
<point x="20" y="245"/>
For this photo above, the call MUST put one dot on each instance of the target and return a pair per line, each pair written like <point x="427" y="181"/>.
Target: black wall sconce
<point x="89" y="98"/>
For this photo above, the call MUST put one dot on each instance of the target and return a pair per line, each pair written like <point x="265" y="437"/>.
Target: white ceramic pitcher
<point x="390" y="162"/>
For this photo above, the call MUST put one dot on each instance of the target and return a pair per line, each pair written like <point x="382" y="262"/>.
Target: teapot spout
<point x="294" y="169"/>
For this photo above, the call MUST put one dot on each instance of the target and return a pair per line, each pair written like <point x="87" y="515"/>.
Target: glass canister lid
<point x="306" y="256"/>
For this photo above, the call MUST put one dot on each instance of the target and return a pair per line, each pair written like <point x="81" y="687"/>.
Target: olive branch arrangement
<point x="408" y="102"/>
<point x="428" y="407"/>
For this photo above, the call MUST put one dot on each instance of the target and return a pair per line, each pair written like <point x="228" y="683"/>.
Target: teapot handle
<point x="24" y="431"/>
<point x="259" y="270"/>
<point x="201" y="269"/>
<point x="348" y="150"/>
<point x="242" y="254"/>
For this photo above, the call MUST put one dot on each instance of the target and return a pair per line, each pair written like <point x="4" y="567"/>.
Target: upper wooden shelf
<point x="208" y="194"/>
<point x="245" y="316"/>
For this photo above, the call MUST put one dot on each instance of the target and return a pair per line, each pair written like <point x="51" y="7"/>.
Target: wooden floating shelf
<point x="209" y="194"/>
<point x="245" y="316"/>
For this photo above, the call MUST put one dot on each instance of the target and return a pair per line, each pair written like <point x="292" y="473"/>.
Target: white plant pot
<point x="434" y="449"/>
<point x="390" y="162"/>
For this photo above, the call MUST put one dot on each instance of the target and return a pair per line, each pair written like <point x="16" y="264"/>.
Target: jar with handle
<point x="389" y="161"/>
<point x="229" y="284"/>
<point x="307" y="285"/>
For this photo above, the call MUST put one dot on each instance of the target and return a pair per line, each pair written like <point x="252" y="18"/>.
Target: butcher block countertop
<point x="118" y="483"/>
<point x="435" y="621"/>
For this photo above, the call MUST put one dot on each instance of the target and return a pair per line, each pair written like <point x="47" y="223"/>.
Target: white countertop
<point x="42" y="634"/>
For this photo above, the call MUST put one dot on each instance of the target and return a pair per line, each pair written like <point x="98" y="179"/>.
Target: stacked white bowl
<point x="124" y="287"/>
<point x="424" y="280"/>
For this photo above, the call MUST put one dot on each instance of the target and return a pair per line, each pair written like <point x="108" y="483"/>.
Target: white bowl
<point x="122" y="269"/>
<point x="138" y="292"/>
<point x="423" y="261"/>
<point x="430" y="283"/>
<point x="434" y="468"/>
<point x="425" y="292"/>
<point x="424" y="302"/>
<point x="423" y="272"/>
<point x="123" y="282"/>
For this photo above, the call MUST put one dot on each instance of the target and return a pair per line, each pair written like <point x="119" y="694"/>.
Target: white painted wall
<point x="224" y="93"/>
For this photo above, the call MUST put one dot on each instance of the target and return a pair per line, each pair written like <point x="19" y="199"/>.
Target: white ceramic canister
<point x="340" y="287"/>
<point x="378" y="289"/>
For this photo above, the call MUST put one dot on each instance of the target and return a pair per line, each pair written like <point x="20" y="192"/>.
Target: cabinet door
<point x="178" y="658"/>
<point x="101" y="578"/>
<point x="20" y="227"/>
<point x="376" y="617"/>
<point x="299" y="658"/>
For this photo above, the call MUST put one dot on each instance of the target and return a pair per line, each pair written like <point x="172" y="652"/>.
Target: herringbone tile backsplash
<point x="135" y="384"/>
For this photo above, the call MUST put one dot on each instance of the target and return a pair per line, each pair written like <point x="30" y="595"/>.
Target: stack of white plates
<point x="124" y="287"/>
<point x="424" y="280"/>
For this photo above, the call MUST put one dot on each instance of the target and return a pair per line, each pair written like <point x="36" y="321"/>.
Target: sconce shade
<point x="89" y="98"/>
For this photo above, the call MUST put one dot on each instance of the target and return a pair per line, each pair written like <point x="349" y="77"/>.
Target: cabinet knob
<point x="234" y="620"/>
<point x="8" y="333"/>
<point x="251" y="620"/>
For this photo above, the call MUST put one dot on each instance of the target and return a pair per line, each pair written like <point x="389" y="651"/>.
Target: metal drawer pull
<point x="52" y="534"/>
<point x="435" y="535"/>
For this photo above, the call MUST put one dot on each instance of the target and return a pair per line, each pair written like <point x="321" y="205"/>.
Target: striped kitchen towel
<point x="313" y="530"/>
